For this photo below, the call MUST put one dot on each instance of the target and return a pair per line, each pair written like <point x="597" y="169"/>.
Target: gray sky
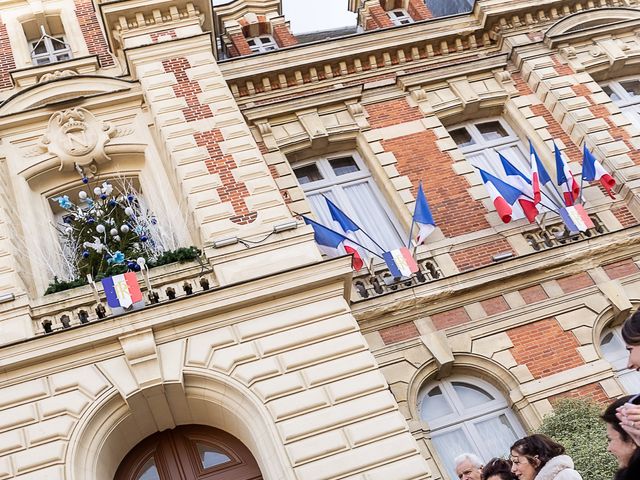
<point x="314" y="15"/>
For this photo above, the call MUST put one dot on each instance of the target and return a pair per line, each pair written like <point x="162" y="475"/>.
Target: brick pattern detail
<point x="164" y="35"/>
<point x="560" y="68"/>
<point x="592" y="391"/>
<point x="7" y="62"/>
<point x="239" y="45"/>
<point x="217" y="163"/>
<point x="453" y="209"/>
<point x="418" y="10"/>
<point x="544" y="348"/>
<point x="283" y="36"/>
<point x="480" y="255"/>
<point x="378" y="19"/>
<point x="533" y="294"/>
<point x="495" y="305"/>
<point x="399" y="333"/>
<point x="450" y="318"/>
<point x="393" y="112"/>
<point x="621" y="269"/>
<point x="575" y="282"/>
<point x="92" y="33"/>
<point x="624" y="216"/>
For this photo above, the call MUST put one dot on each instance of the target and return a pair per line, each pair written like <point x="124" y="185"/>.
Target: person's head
<point x="530" y="454"/>
<point x="620" y="445"/>
<point x="497" y="469"/>
<point x="468" y="467"/>
<point x="631" y="336"/>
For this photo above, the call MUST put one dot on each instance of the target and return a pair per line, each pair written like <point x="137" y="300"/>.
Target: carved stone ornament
<point x="78" y="139"/>
<point x="47" y="77"/>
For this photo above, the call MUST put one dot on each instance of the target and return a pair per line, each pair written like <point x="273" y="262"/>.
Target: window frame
<point x="51" y="54"/>
<point x="332" y="183"/>
<point x="629" y="105"/>
<point x="404" y="19"/>
<point x="262" y="47"/>
<point x="620" y="370"/>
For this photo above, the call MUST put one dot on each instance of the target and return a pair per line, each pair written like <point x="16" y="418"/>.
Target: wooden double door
<point x="191" y="452"/>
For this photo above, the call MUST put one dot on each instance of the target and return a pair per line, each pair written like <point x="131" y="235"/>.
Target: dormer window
<point x="49" y="50"/>
<point x="400" y="16"/>
<point x="261" y="44"/>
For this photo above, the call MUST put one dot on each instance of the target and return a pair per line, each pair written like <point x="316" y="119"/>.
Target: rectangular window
<point x="261" y="44"/>
<point x="345" y="180"/>
<point x="626" y="95"/>
<point x="399" y="16"/>
<point x="48" y="50"/>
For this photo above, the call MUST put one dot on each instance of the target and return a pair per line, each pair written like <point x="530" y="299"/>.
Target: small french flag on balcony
<point x="122" y="291"/>
<point x="576" y="219"/>
<point x="400" y="262"/>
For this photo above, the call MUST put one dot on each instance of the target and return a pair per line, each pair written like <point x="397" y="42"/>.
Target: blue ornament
<point x="91" y="220"/>
<point x="143" y="238"/>
<point x="112" y="203"/>
<point x="85" y="254"/>
<point x="103" y="196"/>
<point x="136" y="268"/>
<point x="85" y="180"/>
<point x="154" y="221"/>
<point x="131" y="198"/>
<point x="131" y="265"/>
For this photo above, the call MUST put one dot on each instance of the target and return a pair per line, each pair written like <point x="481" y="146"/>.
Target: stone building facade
<point x="290" y="365"/>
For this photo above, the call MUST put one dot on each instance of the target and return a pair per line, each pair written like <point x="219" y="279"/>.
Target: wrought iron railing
<point x="557" y="234"/>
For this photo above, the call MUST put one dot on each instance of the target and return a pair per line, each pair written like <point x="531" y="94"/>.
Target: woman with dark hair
<point x="621" y="445"/>
<point x="497" y="469"/>
<point x="537" y="457"/>
<point x="629" y="414"/>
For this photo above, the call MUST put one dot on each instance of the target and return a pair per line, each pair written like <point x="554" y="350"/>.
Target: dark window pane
<point x="265" y="39"/>
<point x="40" y="48"/>
<point x="251" y="41"/>
<point x="461" y="137"/>
<point x="58" y="44"/>
<point x="308" y="174"/>
<point x="210" y="457"/>
<point x="149" y="471"/>
<point x="492" y="130"/>
<point x="442" y="8"/>
<point x="632" y="87"/>
<point x="43" y="61"/>
<point x="342" y="166"/>
<point x="612" y="95"/>
<point x="63" y="56"/>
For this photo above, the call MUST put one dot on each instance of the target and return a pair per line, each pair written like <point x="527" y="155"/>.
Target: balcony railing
<point x="557" y="234"/>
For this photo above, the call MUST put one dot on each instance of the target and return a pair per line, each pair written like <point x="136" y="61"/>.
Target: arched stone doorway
<point x="189" y="452"/>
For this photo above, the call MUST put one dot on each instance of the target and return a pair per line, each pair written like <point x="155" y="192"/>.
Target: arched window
<point x="614" y="351"/>
<point x="345" y="180"/>
<point x="625" y="94"/>
<point x="466" y="415"/>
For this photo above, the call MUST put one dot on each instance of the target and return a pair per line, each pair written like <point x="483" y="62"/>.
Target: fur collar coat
<point x="558" y="468"/>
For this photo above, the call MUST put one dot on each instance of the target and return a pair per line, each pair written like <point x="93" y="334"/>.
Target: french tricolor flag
<point x="568" y="185"/>
<point x="592" y="170"/>
<point x="330" y="242"/>
<point x="519" y="180"/>
<point x="502" y="194"/>
<point x="539" y="175"/>
<point x="122" y="291"/>
<point x="576" y="218"/>
<point x="350" y="228"/>
<point x="400" y="262"/>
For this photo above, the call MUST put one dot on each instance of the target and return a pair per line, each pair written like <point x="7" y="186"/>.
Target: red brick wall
<point x="533" y="294"/>
<point x="399" y="333"/>
<point x="379" y="18"/>
<point x="495" y="305"/>
<point x="239" y="45"/>
<point x="624" y="216"/>
<point x="450" y="318"/>
<point x="418" y="10"/>
<point x="217" y="163"/>
<point x="544" y="348"/>
<point x="419" y="158"/>
<point x="592" y="391"/>
<point x="621" y="269"/>
<point x="575" y="282"/>
<point x="283" y="36"/>
<point x="7" y="62"/>
<point x="480" y="255"/>
<point x="163" y="35"/>
<point x="92" y="33"/>
<point x="392" y="112"/>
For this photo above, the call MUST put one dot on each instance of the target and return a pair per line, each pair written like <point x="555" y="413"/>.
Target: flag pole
<point x="413" y="222"/>
<point x="359" y="227"/>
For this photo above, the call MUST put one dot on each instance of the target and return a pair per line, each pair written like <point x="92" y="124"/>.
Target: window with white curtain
<point x="345" y="180"/>
<point x="481" y="141"/>
<point x="614" y="351"/>
<point x="261" y="44"/>
<point x="399" y="16"/>
<point x="625" y="94"/>
<point x="467" y="415"/>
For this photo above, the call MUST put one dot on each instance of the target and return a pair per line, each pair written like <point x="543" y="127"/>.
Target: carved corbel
<point x="264" y="127"/>
<point x="313" y="124"/>
<point x="437" y="343"/>
<point x="359" y="114"/>
<point x="464" y="91"/>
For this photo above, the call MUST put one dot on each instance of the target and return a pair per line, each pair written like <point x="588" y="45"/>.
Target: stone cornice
<point x="455" y="291"/>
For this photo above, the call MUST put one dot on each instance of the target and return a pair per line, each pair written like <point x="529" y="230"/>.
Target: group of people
<point x="538" y="457"/>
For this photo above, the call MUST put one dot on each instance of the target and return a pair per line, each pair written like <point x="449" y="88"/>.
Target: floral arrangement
<point x="107" y="230"/>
